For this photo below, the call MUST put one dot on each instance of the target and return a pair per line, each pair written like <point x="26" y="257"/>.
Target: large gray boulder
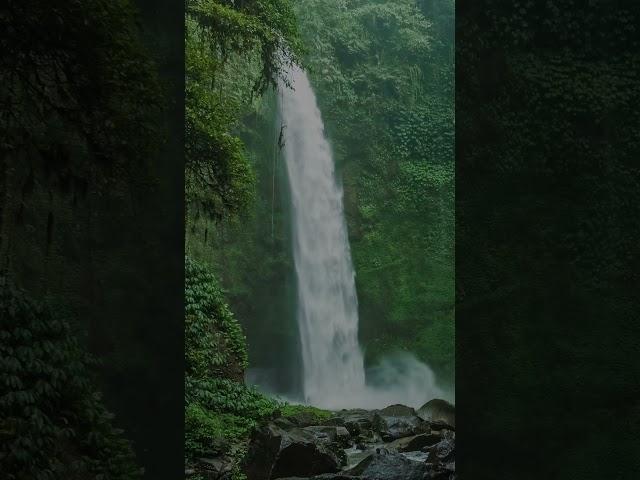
<point x="277" y="453"/>
<point x="438" y="410"/>
<point x="415" y="442"/>
<point x="357" y="421"/>
<point x="398" y="421"/>
<point x="329" y="434"/>
<point x="389" y="466"/>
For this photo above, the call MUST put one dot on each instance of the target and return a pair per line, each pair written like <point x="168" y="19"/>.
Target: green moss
<point x="317" y="414"/>
<point x="220" y="411"/>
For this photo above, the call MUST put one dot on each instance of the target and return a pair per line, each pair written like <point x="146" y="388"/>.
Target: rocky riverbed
<point x="394" y="443"/>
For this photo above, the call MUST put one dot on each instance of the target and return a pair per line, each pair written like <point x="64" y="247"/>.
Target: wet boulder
<point x="398" y="421"/>
<point x="336" y="421"/>
<point x="415" y="442"/>
<point x="330" y="434"/>
<point x="389" y="466"/>
<point x="438" y="411"/>
<point x="359" y="423"/>
<point x="398" y="410"/>
<point x="443" y="452"/>
<point x="277" y="453"/>
<point x="214" y="468"/>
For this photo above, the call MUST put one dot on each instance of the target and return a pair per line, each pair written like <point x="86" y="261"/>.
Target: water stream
<point x="327" y="301"/>
<point x="333" y="366"/>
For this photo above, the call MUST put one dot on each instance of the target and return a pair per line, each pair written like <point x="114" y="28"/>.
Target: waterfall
<point x="327" y="302"/>
<point x="327" y="315"/>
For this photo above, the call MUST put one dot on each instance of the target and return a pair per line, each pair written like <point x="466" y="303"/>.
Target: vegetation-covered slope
<point x="234" y="51"/>
<point x="383" y="73"/>
<point x="220" y="411"/>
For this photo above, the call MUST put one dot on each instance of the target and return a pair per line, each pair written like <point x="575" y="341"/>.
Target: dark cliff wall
<point x="103" y="244"/>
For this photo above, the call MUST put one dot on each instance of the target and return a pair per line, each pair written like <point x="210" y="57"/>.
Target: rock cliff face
<point x="91" y="194"/>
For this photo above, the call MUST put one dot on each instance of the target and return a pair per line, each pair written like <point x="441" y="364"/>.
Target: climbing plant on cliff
<point x="220" y="411"/>
<point x="52" y="420"/>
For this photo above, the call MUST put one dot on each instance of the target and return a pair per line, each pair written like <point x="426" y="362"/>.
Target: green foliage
<point x="233" y="52"/>
<point x="227" y="396"/>
<point x="383" y="72"/>
<point x="52" y="421"/>
<point x="215" y="344"/>
<point x="208" y="432"/>
<point x="220" y="411"/>
<point x="317" y="414"/>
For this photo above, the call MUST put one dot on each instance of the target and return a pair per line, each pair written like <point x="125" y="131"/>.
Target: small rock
<point x="216" y="468"/>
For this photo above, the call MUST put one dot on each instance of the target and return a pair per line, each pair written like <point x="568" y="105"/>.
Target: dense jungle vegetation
<point x="383" y="72"/>
<point x="233" y="54"/>
<point x="384" y="75"/>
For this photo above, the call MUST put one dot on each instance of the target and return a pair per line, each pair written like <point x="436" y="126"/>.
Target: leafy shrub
<point x="220" y="411"/>
<point x="52" y="421"/>
<point x="215" y="344"/>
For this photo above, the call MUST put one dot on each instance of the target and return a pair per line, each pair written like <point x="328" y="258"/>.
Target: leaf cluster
<point x="220" y="411"/>
<point x="52" y="420"/>
<point x="234" y="52"/>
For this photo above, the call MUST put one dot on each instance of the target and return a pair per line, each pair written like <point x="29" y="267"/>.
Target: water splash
<point x="333" y="365"/>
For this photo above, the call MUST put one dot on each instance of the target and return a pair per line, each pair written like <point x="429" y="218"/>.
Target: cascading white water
<point x="333" y="366"/>
<point x="327" y="302"/>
